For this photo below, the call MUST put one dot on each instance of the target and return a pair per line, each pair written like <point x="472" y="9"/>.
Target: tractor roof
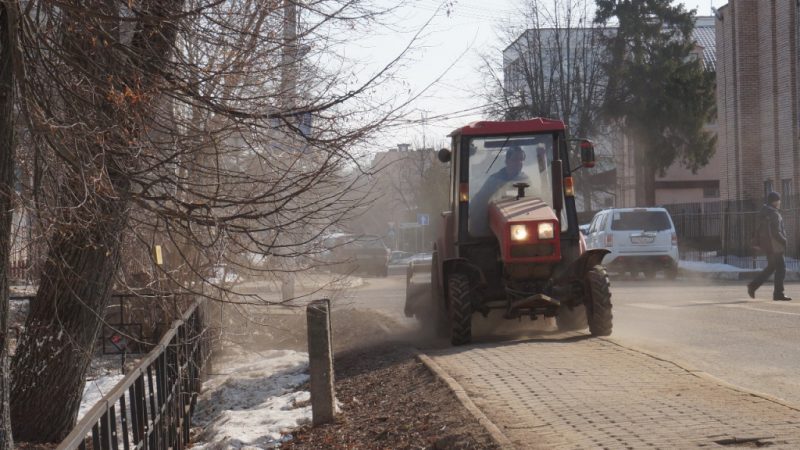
<point x="490" y="128"/>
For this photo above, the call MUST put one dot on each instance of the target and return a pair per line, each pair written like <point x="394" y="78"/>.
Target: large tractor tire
<point x="460" y="301"/>
<point x="598" y="302"/>
<point x="571" y="319"/>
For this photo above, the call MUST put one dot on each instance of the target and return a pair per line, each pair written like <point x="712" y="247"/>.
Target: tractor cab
<point x="510" y="240"/>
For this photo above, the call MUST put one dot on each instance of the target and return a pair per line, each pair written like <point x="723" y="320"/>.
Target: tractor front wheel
<point x="460" y="301"/>
<point x="598" y="301"/>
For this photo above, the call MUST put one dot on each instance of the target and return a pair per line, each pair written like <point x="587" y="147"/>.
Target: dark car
<point x="362" y="254"/>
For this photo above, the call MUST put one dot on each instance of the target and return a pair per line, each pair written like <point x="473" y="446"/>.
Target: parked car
<point x="399" y="258"/>
<point x="350" y="253"/>
<point x="640" y="240"/>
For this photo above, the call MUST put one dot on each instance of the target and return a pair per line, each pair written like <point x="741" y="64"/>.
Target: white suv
<point x="640" y="240"/>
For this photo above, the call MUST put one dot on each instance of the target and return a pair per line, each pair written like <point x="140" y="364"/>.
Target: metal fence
<point x="151" y="407"/>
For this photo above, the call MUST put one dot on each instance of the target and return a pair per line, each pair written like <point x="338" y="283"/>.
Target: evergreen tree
<point x="658" y="91"/>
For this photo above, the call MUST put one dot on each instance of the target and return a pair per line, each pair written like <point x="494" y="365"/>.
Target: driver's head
<point x="514" y="159"/>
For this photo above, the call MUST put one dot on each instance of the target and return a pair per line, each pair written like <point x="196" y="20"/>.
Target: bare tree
<point x="7" y="148"/>
<point x="184" y="123"/>
<point x="410" y="181"/>
<point x="553" y="67"/>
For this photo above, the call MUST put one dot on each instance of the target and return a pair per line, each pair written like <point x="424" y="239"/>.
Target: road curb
<point x="497" y="435"/>
<point x="707" y="376"/>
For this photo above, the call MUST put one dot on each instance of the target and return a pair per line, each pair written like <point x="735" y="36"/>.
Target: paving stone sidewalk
<point x="580" y="393"/>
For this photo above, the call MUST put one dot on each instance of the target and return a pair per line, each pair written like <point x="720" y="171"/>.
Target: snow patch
<point x="254" y="401"/>
<point x="95" y="389"/>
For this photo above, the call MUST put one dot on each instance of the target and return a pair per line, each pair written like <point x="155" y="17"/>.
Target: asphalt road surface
<point x="716" y="328"/>
<point x="713" y="327"/>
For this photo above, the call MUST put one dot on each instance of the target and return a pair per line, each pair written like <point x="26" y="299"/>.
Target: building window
<point x="711" y="192"/>
<point x="767" y="187"/>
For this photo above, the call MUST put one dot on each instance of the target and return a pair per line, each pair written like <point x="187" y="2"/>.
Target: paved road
<point x="712" y="327"/>
<point x="570" y="391"/>
<point x="715" y="328"/>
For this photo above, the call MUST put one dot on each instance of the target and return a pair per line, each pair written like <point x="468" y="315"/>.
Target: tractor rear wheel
<point x="598" y="303"/>
<point x="460" y="301"/>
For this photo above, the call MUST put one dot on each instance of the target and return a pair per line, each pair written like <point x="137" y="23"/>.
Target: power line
<point x="470" y="12"/>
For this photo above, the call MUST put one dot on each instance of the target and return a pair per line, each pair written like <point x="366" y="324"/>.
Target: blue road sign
<point x="423" y="219"/>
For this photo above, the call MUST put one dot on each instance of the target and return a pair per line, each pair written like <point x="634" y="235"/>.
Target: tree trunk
<point x="649" y="183"/>
<point x="67" y="313"/>
<point x="6" y="207"/>
<point x="61" y="330"/>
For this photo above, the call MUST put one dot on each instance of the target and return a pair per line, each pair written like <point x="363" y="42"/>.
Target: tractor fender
<point x="582" y="265"/>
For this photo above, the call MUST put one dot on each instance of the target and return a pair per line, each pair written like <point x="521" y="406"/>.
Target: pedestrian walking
<point x="771" y="237"/>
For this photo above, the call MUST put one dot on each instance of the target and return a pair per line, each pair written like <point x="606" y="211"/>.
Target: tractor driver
<point x="510" y="174"/>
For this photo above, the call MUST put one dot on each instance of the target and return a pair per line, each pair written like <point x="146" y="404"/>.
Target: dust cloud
<point x="433" y="330"/>
<point x="241" y="329"/>
<point x="355" y="326"/>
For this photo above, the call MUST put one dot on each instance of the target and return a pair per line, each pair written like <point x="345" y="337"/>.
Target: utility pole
<point x="288" y="88"/>
<point x="423" y="116"/>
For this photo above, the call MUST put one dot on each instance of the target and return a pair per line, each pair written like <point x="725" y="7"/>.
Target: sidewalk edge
<point x="707" y="376"/>
<point x="497" y="435"/>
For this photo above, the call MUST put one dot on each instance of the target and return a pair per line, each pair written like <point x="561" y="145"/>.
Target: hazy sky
<point x="452" y="43"/>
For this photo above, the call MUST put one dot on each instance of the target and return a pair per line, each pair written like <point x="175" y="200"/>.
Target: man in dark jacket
<point x="772" y="240"/>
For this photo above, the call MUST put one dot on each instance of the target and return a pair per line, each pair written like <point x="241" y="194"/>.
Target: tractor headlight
<point x="545" y="230"/>
<point x="519" y="233"/>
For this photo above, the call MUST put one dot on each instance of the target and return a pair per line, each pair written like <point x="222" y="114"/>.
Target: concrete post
<point x="320" y="362"/>
<point x="287" y="286"/>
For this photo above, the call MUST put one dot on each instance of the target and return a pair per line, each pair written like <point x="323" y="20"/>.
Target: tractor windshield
<point x="497" y="163"/>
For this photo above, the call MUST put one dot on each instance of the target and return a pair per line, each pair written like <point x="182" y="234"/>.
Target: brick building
<point x="757" y="98"/>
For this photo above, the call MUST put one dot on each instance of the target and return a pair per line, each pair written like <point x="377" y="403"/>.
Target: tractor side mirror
<point x="587" y="153"/>
<point x="444" y="155"/>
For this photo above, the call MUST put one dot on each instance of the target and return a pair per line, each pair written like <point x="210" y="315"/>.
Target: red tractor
<point x="510" y="241"/>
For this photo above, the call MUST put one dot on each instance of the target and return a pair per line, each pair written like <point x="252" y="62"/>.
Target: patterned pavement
<point x="579" y="392"/>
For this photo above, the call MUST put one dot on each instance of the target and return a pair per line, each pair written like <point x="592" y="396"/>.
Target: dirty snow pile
<point x="252" y="400"/>
<point x="699" y="266"/>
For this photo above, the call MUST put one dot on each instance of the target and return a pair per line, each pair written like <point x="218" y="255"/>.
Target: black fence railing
<point x="151" y="407"/>
<point x="727" y="228"/>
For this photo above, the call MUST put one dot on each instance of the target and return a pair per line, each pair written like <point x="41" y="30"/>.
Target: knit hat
<point x="773" y="197"/>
